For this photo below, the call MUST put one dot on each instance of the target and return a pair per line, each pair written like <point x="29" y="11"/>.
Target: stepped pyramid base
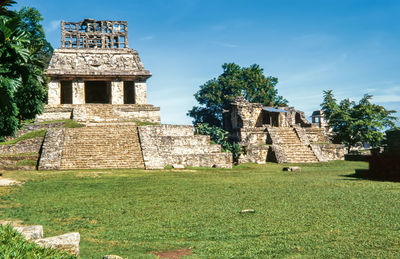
<point x="108" y="145"/>
<point x="126" y="145"/>
<point x="165" y="145"/>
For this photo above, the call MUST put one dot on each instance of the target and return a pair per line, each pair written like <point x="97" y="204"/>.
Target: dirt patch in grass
<point x="175" y="254"/>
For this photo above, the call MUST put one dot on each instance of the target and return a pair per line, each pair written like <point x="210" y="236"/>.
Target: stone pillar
<point x="117" y="92"/>
<point x="78" y="91"/>
<point x="140" y="92"/>
<point x="54" y="93"/>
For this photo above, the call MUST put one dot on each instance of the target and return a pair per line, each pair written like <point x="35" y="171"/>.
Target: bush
<point x="14" y="245"/>
<point x="219" y="136"/>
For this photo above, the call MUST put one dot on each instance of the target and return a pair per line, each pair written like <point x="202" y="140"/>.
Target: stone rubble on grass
<point x="247" y="211"/>
<point x="112" y="257"/>
<point x="178" y="166"/>
<point x="68" y="242"/>
<point x="31" y="232"/>
<point x="8" y="182"/>
<point x="292" y="169"/>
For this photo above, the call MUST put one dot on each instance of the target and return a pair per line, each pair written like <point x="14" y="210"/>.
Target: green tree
<point x="354" y="123"/>
<point x="217" y="94"/>
<point x="24" y="53"/>
<point x="30" y="96"/>
<point x="13" y="57"/>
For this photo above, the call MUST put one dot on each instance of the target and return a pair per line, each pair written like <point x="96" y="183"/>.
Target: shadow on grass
<point x="365" y="174"/>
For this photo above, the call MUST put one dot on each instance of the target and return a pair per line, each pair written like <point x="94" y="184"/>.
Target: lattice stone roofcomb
<point x="91" y="34"/>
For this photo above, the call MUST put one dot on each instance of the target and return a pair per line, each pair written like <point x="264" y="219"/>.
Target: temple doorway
<point x="97" y="92"/>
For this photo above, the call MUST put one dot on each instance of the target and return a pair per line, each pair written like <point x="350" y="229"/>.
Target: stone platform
<point x="101" y="113"/>
<point x="126" y="145"/>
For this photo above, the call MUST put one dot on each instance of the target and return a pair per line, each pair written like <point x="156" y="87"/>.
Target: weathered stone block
<point x="67" y="242"/>
<point x="112" y="257"/>
<point x="31" y="232"/>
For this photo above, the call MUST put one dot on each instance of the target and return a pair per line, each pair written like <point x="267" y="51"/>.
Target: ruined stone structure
<point x="94" y="76"/>
<point x="282" y="135"/>
<point x="97" y="80"/>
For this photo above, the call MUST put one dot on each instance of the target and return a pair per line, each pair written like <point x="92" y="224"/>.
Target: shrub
<point x="14" y="245"/>
<point x="219" y="136"/>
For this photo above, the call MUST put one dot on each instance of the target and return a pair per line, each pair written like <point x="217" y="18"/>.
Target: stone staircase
<point x="294" y="150"/>
<point x="165" y="145"/>
<point x="102" y="145"/>
<point x="316" y="135"/>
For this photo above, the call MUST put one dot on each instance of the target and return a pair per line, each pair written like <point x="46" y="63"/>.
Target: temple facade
<point x="95" y="76"/>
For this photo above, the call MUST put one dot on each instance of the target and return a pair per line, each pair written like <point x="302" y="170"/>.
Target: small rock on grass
<point x="7" y="182"/>
<point x="178" y="166"/>
<point x="292" y="169"/>
<point x="247" y="211"/>
<point x="112" y="257"/>
<point x="67" y="242"/>
<point x="31" y="232"/>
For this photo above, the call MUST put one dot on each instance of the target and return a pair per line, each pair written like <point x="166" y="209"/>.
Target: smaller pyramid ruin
<point x="281" y="135"/>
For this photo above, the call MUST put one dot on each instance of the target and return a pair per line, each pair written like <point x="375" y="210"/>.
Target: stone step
<point x="198" y="149"/>
<point x="221" y="160"/>
<point x="169" y="130"/>
<point x="183" y="141"/>
<point x="106" y="145"/>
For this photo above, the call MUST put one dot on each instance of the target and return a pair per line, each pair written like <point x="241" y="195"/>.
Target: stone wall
<point x="96" y="62"/>
<point x="55" y="112"/>
<point x="117" y="91"/>
<point x="52" y="148"/>
<point x="164" y="145"/>
<point x="255" y="154"/>
<point x="54" y="92"/>
<point x="329" y="151"/>
<point x="276" y="154"/>
<point x="78" y="92"/>
<point x="140" y="93"/>
<point x="25" y="146"/>
<point x="316" y="135"/>
<point x="101" y="113"/>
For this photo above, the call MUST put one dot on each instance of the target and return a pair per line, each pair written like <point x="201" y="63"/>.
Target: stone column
<point x="117" y="91"/>
<point x="54" y="93"/>
<point x="140" y="92"/>
<point x="78" y="91"/>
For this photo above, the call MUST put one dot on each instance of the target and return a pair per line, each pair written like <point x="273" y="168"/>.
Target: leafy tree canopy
<point x="24" y="53"/>
<point x="354" y="123"/>
<point x="217" y="94"/>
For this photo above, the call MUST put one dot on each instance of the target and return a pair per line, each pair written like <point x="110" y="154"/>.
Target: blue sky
<point x="348" y="46"/>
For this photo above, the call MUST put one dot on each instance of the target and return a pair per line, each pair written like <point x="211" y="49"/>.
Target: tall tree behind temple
<point x="30" y="96"/>
<point x="354" y="123"/>
<point x="217" y="94"/>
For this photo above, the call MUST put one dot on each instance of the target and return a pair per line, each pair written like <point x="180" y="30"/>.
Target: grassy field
<point x="321" y="212"/>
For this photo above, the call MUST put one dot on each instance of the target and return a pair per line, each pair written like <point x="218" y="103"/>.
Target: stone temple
<point x="97" y="80"/>
<point x="94" y="76"/>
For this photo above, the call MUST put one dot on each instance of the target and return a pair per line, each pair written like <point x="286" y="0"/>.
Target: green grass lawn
<point x="321" y="212"/>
